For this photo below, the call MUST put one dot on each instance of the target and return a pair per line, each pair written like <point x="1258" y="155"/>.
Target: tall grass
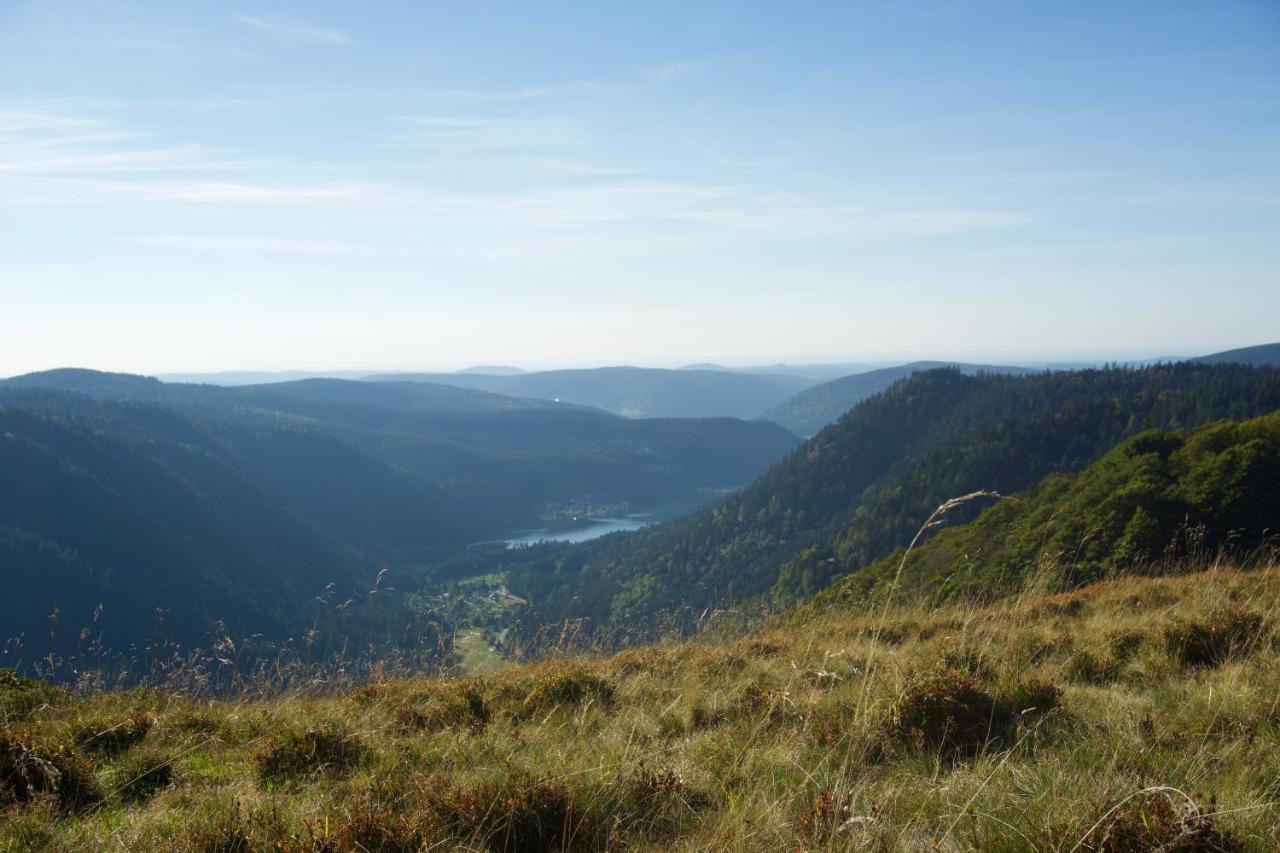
<point x="1064" y="721"/>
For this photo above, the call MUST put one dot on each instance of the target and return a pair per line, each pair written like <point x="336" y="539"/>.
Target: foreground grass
<point x="1137" y="714"/>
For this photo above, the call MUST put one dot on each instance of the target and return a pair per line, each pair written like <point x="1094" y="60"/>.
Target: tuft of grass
<point x="32" y="768"/>
<point x="557" y="687"/>
<point x="951" y="715"/>
<point x="1153" y="820"/>
<point x="293" y="753"/>
<point x="1228" y="632"/>
<point x="20" y="696"/>
<point x="462" y="709"/>
<point x="111" y="737"/>
<point x="140" y="777"/>
<point x="516" y="815"/>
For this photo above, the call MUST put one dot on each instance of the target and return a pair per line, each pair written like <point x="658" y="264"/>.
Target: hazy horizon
<point x="1030" y="359"/>
<point x="193" y="188"/>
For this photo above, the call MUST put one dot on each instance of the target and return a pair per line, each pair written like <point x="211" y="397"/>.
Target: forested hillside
<point x="637" y="391"/>
<point x="863" y="486"/>
<point x="242" y="505"/>
<point x="1263" y="355"/>
<point x="1159" y="498"/>
<point x="813" y="408"/>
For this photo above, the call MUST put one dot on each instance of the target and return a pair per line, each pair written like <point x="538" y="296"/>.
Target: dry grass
<point x="1135" y="714"/>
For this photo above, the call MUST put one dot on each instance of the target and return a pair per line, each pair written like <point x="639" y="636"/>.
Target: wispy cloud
<point x="261" y="245"/>
<point x="51" y="158"/>
<point x="670" y="71"/>
<point x="468" y="135"/>
<point x="214" y="192"/>
<point x="480" y="95"/>
<point x="53" y="143"/>
<point x="296" y="31"/>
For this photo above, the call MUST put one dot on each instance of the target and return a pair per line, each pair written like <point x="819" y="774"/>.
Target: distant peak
<point x="493" y="370"/>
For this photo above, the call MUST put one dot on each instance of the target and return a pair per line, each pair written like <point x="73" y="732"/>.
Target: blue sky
<point x="205" y="186"/>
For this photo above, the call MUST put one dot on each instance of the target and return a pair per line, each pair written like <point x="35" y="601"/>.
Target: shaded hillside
<point x="503" y="459"/>
<point x="1263" y="355"/>
<point x="132" y="508"/>
<point x="813" y="408"/>
<point x="1158" y="497"/>
<point x="636" y="391"/>
<point x="863" y="486"/>
<point x="241" y="505"/>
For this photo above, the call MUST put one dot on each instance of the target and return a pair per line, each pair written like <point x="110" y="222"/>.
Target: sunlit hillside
<point x="1133" y="714"/>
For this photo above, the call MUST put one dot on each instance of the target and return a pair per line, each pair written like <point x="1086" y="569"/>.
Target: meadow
<point x="1138" y="713"/>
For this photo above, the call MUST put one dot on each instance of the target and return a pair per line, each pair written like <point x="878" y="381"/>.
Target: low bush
<point x="452" y="710"/>
<point x="19" y="696"/>
<point x="140" y="777"/>
<point x="31" y="768"/>
<point x="952" y="715"/>
<point x="518" y="816"/>
<point x="110" y="737"/>
<point x="1157" y="820"/>
<point x="1031" y="696"/>
<point x="312" y="751"/>
<point x="557" y="687"/>
<point x="1085" y="667"/>
<point x="1226" y="633"/>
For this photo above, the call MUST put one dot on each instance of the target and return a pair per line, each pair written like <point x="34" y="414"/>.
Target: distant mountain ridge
<point x="634" y="391"/>
<point x="1262" y="355"/>
<point x="813" y="408"/>
<point x="241" y="504"/>
<point x="863" y="485"/>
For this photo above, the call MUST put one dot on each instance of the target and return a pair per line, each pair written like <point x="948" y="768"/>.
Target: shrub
<point x="370" y="830"/>
<point x="554" y="688"/>
<point x="1031" y="696"/>
<point x="446" y="710"/>
<point x="19" y="696"/>
<point x="312" y="751"/>
<point x="110" y="737"/>
<point x="948" y="714"/>
<point x="1227" y="633"/>
<point x="29" y="770"/>
<point x="141" y="777"/>
<point x="220" y="832"/>
<point x="654" y="803"/>
<point x="516" y="816"/>
<point x="1148" y="823"/>
<point x="1086" y="667"/>
<point x="1123" y="645"/>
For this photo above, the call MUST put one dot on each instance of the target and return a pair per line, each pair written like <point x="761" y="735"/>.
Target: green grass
<point x="951" y="728"/>
<point x="475" y="655"/>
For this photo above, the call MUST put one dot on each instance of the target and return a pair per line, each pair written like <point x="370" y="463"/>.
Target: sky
<point x="235" y="186"/>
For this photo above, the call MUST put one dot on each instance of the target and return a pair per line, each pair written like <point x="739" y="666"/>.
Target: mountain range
<point x="862" y="486"/>
<point x="240" y="504"/>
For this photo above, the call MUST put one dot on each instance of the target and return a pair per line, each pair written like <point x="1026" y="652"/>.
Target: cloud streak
<point x="463" y="136"/>
<point x="305" y="33"/>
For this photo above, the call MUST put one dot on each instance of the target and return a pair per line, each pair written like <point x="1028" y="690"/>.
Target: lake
<point x="592" y="528"/>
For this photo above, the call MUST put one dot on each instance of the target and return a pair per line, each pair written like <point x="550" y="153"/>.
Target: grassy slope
<point x="1158" y="495"/>
<point x="818" y="732"/>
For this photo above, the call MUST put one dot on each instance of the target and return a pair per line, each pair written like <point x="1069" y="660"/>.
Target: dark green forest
<point x="138" y="510"/>
<point x="1158" y="498"/>
<point x="808" y="411"/>
<point x="863" y="486"/>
